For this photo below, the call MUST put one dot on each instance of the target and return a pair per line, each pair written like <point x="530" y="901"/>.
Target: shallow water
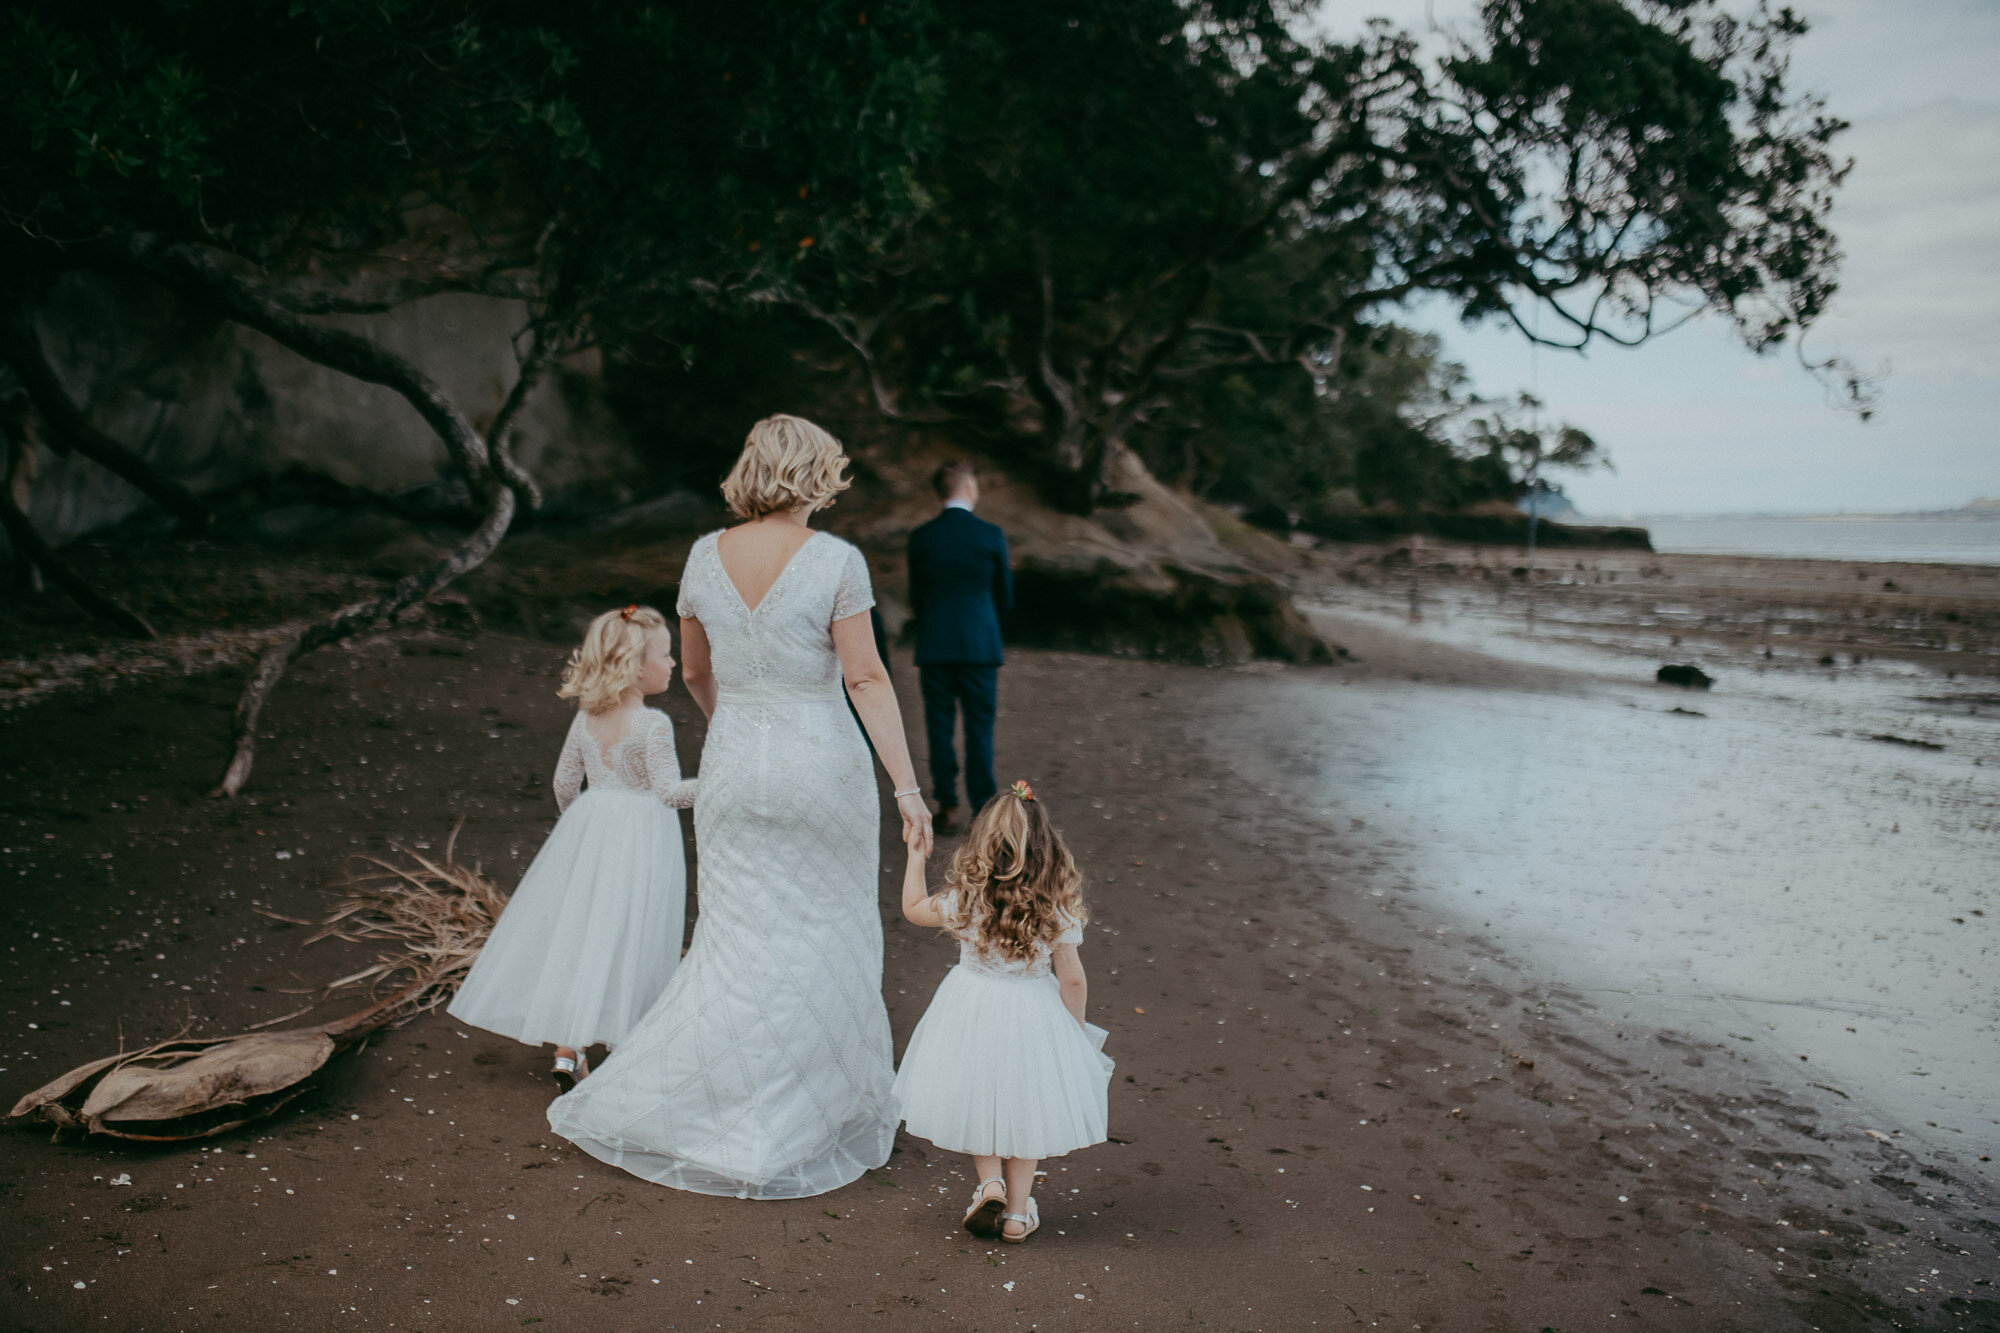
<point x="1765" y="874"/>
<point x="1958" y="541"/>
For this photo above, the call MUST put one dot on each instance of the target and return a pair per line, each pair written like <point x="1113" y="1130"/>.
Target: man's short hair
<point x="949" y="477"/>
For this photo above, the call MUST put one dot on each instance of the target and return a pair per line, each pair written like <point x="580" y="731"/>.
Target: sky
<point x="1693" y="422"/>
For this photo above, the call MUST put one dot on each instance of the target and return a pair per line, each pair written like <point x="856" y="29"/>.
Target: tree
<point x="1521" y="451"/>
<point x="1134" y="198"/>
<point x="608" y="165"/>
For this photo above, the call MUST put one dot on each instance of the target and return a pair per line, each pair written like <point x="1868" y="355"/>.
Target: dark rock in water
<point x="1687" y="712"/>
<point x="1828" y="660"/>
<point x="1905" y="740"/>
<point x="1686" y="676"/>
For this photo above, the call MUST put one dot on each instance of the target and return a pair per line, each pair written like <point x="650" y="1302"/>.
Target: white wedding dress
<point x="764" y="1069"/>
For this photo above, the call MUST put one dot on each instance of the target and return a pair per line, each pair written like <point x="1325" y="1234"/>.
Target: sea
<point x="1903" y="538"/>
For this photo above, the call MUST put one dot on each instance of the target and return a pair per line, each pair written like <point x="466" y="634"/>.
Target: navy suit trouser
<point x="974" y="689"/>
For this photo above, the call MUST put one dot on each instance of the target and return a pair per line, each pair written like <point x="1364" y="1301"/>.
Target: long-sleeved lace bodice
<point x="643" y="760"/>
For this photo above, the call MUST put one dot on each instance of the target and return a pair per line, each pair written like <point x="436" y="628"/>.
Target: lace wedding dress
<point x="764" y="1069"/>
<point x="593" y="933"/>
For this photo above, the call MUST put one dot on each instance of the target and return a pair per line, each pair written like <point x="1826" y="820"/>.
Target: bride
<point x="764" y="1069"/>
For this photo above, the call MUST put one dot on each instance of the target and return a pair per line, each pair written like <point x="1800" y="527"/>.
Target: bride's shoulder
<point x="704" y="543"/>
<point x="838" y="552"/>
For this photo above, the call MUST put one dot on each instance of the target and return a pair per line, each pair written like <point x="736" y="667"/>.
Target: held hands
<point x="916" y="824"/>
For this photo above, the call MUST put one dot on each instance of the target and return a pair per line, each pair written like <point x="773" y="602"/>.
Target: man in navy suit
<point x="960" y="586"/>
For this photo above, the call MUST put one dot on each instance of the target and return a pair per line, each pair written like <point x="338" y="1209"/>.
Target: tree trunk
<point x="28" y="543"/>
<point x="67" y="423"/>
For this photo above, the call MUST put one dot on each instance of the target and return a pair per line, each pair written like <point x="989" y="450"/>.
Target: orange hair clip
<point x="1023" y="790"/>
<point x="629" y="612"/>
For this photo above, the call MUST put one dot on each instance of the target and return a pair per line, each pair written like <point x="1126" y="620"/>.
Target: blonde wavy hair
<point x="608" y="662"/>
<point x="1017" y="884"/>
<point x="786" y="463"/>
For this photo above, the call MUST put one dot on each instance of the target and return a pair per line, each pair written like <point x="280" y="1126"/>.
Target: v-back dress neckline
<point x="730" y="579"/>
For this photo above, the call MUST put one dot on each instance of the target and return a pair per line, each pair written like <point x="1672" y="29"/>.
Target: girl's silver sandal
<point x="1031" y="1222"/>
<point x="983" y="1218"/>
<point x="568" y="1071"/>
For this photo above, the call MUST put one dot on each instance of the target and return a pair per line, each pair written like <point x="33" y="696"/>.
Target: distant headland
<point x="1986" y="508"/>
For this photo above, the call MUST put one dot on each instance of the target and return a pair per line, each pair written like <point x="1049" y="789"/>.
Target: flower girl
<point x="1002" y="1065"/>
<point x="593" y="933"/>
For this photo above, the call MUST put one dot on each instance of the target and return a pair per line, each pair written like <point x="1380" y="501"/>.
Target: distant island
<point x="1986" y="508"/>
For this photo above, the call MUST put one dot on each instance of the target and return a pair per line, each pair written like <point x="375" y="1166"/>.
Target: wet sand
<point x="1328" y="1113"/>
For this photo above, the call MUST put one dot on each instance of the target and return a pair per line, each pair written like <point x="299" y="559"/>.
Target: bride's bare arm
<point x="697" y="672"/>
<point x="875" y="700"/>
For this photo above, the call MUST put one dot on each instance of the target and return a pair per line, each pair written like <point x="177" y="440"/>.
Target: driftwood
<point x="439" y="913"/>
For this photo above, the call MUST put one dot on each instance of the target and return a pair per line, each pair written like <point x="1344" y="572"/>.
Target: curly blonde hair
<point x="786" y="463"/>
<point x="1017" y="885"/>
<point x="608" y="662"/>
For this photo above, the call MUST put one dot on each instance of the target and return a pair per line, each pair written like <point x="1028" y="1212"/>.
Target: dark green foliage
<point x="1182" y="228"/>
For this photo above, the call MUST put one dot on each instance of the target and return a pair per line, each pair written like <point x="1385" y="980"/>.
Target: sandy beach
<point x="1341" y="1100"/>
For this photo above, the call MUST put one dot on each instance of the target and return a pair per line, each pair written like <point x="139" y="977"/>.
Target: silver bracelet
<point x="907" y="791"/>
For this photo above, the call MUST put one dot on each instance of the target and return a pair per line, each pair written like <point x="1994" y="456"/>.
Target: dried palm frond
<point x="193" y="1089"/>
<point x="439" y="913"/>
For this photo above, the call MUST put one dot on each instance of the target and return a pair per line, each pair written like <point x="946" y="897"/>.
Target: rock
<point x="1686" y="676"/>
<point x="216" y="406"/>
<point x="1163" y="611"/>
<point x="1150" y="578"/>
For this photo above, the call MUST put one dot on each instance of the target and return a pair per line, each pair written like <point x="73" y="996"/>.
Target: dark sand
<point x="1320" y="1122"/>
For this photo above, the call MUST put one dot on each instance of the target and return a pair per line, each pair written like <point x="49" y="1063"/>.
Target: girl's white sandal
<point x="1031" y="1222"/>
<point x="983" y="1218"/>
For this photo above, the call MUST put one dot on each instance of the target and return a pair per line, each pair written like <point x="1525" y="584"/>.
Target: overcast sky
<point x="1694" y="422"/>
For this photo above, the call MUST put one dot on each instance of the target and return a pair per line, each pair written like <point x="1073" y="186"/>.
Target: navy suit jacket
<point x="960" y="586"/>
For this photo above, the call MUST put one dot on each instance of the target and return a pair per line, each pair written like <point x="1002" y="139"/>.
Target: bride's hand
<point x="916" y="823"/>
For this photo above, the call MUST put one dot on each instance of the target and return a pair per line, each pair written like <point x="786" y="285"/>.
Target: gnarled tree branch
<point x="29" y="543"/>
<point x="23" y="350"/>
<point x="219" y="280"/>
<point x="410" y="590"/>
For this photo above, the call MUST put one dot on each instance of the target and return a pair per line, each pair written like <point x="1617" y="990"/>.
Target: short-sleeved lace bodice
<point x="970" y="958"/>
<point x="643" y="760"/>
<point x="764" y="1071"/>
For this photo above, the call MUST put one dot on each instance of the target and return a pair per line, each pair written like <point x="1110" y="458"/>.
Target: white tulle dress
<point x="764" y="1070"/>
<point x="593" y="934"/>
<point x="997" y="1067"/>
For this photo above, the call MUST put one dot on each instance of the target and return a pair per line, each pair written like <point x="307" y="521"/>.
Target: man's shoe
<point x="947" y="820"/>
